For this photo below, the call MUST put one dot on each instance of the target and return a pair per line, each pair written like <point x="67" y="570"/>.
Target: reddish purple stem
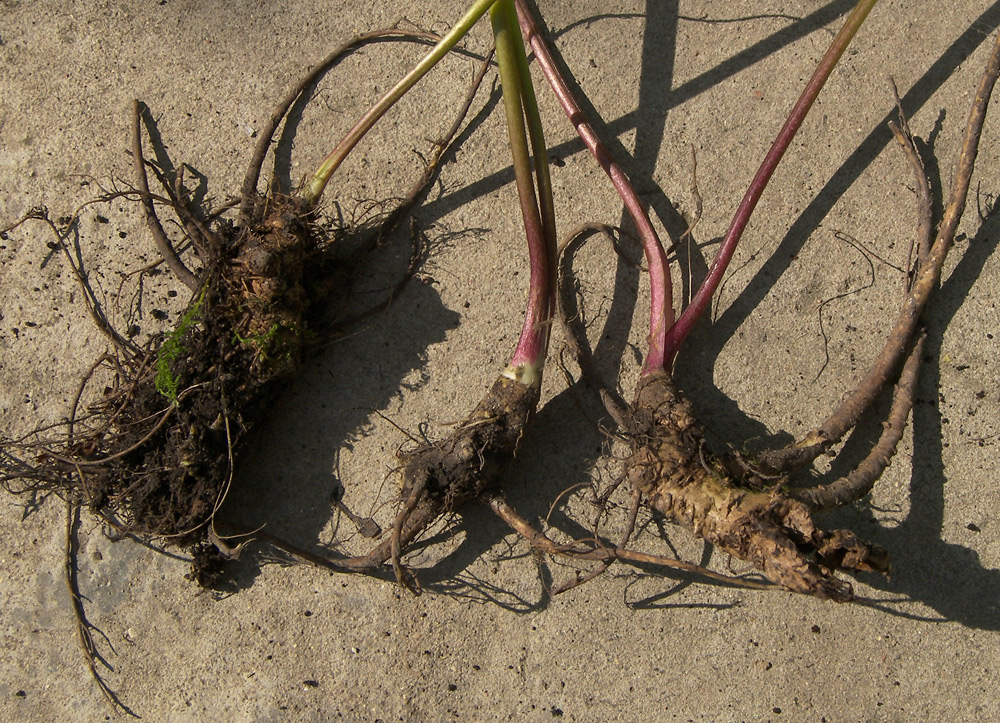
<point x="661" y="291"/>
<point x="711" y="283"/>
<point x="534" y="339"/>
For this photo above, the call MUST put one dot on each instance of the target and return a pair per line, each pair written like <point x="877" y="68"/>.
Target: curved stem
<point x="740" y="220"/>
<point x="661" y="316"/>
<point x="314" y="188"/>
<point x="539" y="220"/>
<point x="248" y="191"/>
<point x="163" y="245"/>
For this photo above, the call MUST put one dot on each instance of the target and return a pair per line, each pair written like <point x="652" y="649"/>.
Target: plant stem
<point x="248" y="193"/>
<point x="314" y="188"/>
<point x="661" y="316"/>
<point x="798" y="113"/>
<point x="163" y="245"/>
<point x="539" y="225"/>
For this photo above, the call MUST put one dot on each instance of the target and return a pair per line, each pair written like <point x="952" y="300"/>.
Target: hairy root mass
<point x="155" y="453"/>
<point x="441" y="477"/>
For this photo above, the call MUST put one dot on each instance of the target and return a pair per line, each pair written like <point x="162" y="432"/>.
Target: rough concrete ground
<point x="485" y="642"/>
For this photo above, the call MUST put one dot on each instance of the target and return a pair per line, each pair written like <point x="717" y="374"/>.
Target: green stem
<point x="538" y="148"/>
<point x="314" y="188"/>
<point x="539" y="224"/>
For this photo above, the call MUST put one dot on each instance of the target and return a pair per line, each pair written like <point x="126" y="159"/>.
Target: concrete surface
<point x="485" y="642"/>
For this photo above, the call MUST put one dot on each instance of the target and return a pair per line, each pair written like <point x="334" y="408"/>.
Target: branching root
<point x="680" y="479"/>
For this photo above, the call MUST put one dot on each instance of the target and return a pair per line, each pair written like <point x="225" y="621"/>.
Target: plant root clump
<point x="741" y="514"/>
<point x="155" y="455"/>
<point x="442" y="477"/>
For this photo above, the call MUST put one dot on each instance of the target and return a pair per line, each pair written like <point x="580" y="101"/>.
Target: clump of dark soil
<point x="153" y="455"/>
<point x="444" y="476"/>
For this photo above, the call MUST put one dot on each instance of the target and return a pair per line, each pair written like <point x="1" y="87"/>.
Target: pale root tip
<point x="530" y="375"/>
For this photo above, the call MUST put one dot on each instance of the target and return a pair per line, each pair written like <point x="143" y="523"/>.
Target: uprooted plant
<point x="154" y="454"/>
<point x="745" y="505"/>
<point x="444" y="476"/>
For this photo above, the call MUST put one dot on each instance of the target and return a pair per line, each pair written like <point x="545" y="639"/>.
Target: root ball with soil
<point x="154" y="454"/>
